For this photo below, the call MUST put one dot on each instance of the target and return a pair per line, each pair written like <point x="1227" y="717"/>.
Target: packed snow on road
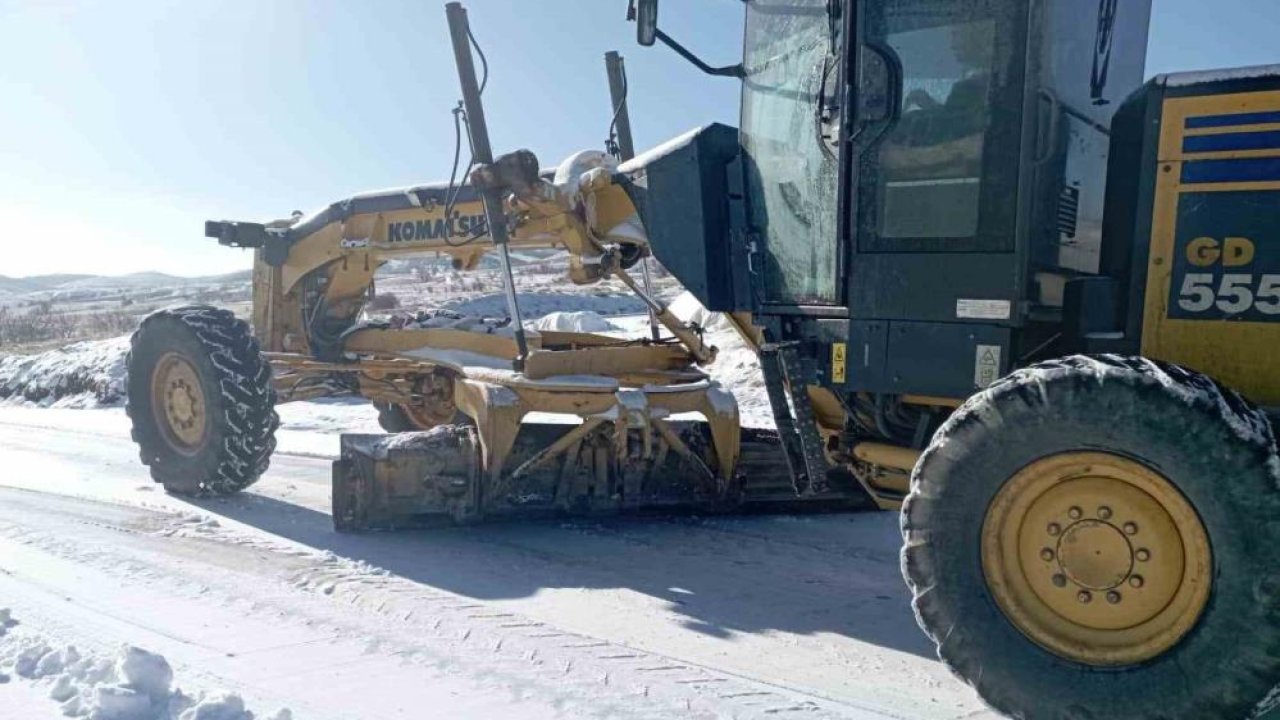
<point x="121" y="602"/>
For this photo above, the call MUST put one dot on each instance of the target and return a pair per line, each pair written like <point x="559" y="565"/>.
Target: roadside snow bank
<point x="133" y="685"/>
<point x="84" y="374"/>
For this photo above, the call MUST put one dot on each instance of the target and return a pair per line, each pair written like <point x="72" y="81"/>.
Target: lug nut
<point x="1046" y="554"/>
<point x="1060" y="580"/>
<point x="1135" y="581"/>
<point x="1084" y="596"/>
<point x="1130" y="528"/>
<point x="1113" y="597"/>
<point x="1104" y="512"/>
<point x="1143" y="554"/>
<point x="1075" y="513"/>
<point x="1055" y="529"/>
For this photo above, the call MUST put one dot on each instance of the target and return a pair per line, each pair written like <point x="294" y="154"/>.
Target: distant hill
<point x="123" y="282"/>
<point x="10" y="286"/>
<point x="35" y="283"/>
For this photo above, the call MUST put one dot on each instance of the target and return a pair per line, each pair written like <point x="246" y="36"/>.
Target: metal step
<point x="785" y="370"/>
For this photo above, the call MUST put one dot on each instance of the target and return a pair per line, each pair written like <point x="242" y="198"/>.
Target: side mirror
<point x="646" y="17"/>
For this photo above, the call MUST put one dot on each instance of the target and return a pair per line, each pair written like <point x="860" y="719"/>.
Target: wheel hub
<point x="437" y="406"/>
<point x="178" y="402"/>
<point x="1094" y="555"/>
<point x="1096" y="558"/>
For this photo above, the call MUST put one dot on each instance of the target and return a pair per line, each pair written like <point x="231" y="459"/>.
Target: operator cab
<point x="920" y="179"/>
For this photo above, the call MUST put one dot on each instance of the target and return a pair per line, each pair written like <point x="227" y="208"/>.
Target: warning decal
<point x="986" y="367"/>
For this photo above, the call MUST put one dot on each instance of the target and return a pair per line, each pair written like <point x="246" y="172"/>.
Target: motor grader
<point x="994" y="280"/>
<point x="641" y="425"/>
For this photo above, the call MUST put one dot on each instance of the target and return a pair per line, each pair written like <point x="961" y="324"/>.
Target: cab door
<point x="789" y="128"/>
<point x="938" y="143"/>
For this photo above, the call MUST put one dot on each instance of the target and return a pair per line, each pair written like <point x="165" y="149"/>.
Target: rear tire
<point x="1215" y="451"/>
<point x="201" y="401"/>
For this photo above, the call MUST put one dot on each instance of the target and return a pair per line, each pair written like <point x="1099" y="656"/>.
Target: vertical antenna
<point x="621" y="124"/>
<point x="482" y="154"/>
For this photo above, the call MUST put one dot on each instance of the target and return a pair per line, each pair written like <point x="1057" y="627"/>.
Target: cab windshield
<point x="789" y="56"/>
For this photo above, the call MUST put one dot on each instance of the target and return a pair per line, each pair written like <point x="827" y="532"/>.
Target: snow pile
<point x="83" y="374"/>
<point x="133" y="685"/>
<point x="737" y="368"/>
<point x="585" y="321"/>
<point x="687" y="308"/>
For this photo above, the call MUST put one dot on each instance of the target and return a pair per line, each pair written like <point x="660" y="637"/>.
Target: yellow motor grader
<point x="645" y="427"/>
<point x="994" y="280"/>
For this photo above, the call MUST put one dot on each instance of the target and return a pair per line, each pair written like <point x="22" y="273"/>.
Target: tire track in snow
<point x="419" y="625"/>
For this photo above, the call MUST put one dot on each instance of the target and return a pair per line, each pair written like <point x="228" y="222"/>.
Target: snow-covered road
<point x="778" y="616"/>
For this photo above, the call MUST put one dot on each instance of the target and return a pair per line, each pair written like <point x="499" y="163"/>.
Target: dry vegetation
<point x="41" y="325"/>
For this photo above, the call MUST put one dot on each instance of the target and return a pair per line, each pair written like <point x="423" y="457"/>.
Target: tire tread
<point x="248" y="418"/>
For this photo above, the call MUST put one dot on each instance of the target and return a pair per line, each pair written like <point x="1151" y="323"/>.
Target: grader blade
<point x="436" y="477"/>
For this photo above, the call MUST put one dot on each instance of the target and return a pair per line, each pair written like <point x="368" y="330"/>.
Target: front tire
<point x="1172" y="485"/>
<point x="201" y="401"/>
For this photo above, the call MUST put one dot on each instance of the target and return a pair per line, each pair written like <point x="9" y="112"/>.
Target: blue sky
<point x="126" y="124"/>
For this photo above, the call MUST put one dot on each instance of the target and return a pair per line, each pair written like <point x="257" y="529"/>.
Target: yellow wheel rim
<point x="178" y="403"/>
<point x="1096" y="558"/>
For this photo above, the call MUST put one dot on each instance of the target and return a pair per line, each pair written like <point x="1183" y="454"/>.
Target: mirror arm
<point x="735" y="71"/>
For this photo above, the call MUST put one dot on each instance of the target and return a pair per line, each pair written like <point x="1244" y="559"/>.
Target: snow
<point x="538" y="304"/>
<point x="256" y="595"/>
<point x="721" y="402"/>
<point x="381" y="446"/>
<point x="687" y="308"/>
<point x="559" y="320"/>
<point x="569" y="172"/>
<point x="82" y="385"/>
<point x="1267" y="704"/>
<point x="1203" y="76"/>
<point x="134" y="684"/>
<point x="145" y="672"/>
<point x="80" y="375"/>
<point x="659" y="151"/>
<point x="1252" y="428"/>
<point x="585" y="321"/>
<point x="468" y="361"/>
<point x="737" y="367"/>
